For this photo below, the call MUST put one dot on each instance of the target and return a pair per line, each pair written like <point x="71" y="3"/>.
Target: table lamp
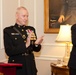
<point x="64" y="36"/>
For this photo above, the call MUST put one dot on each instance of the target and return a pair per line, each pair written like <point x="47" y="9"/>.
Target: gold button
<point x="19" y="26"/>
<point x="23" y="36"/>
<point x="24" y="41"/>
<point x="13" y="60"/>
<point x="22" y="29"/>
<point x="15" y="38"/>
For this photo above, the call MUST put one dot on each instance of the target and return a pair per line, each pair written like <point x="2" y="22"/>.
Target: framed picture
<point x="52" y="10"/>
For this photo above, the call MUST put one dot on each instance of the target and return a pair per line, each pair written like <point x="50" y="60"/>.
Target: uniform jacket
<point x="72" y="60"/>
<point x="15" y="48"/>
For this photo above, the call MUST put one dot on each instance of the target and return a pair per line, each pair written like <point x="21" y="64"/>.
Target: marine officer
<point x="20" y="41"/>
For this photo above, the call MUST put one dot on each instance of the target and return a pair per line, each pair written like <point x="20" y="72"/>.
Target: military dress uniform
<point x="14" y="42"/>
<point x="69" y="11"/>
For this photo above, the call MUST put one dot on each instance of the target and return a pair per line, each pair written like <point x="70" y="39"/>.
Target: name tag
<point x="14" y="33"/>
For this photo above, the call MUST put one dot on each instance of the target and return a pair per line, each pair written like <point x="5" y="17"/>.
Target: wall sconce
<point x="64" y="36"/>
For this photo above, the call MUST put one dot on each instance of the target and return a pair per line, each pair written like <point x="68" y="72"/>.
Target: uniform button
<point x="24" y="41"/>
<point x="13" y="60"/>
<point x="23" y="36"/>
<point x="22" y="29"/>
<point x="26" y="54"/>
<point x="19" y="26"/>
<point x="15" y="38"/>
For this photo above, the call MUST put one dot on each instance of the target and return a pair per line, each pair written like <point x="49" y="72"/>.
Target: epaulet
<point x="8" y="28"/>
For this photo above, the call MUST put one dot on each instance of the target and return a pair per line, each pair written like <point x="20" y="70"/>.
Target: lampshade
<point x="64" y="34"/>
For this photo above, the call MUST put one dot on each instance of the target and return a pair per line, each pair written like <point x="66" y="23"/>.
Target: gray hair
<point x="19" y="8"/>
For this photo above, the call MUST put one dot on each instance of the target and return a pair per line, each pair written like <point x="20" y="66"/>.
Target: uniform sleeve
<point x="73" y="32"/>
<point x="36" y="48"/>
<point x="10" y="48"/>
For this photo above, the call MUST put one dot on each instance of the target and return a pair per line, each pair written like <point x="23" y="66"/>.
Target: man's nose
<point x="26" y="18"/>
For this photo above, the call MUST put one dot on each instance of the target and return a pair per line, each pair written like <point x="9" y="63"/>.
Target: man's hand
<point x="61" y="19"/>
<point x="39" y="40"/>
<point x="28" y="38"/>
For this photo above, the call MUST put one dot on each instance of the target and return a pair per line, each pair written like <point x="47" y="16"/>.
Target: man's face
<point x="22" y="17"/>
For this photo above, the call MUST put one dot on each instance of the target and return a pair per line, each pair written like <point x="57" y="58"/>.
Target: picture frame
<point x="48" y="15"/>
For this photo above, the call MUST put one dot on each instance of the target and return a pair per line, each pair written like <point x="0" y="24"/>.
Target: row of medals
<point x="33" y="37"/>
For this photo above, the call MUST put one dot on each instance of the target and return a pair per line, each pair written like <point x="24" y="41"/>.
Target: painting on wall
<point x="52" y="10"/>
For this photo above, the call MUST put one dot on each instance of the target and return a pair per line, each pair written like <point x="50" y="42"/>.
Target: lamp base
<point x="65" y="61"/>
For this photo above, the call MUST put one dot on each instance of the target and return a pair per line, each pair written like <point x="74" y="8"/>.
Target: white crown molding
<point x="45" y="57"/>
<point x="50" y="44"/>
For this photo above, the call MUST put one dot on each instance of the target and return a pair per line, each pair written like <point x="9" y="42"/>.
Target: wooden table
<point x="9" y="68"/>
<point x="59" y="70"/>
